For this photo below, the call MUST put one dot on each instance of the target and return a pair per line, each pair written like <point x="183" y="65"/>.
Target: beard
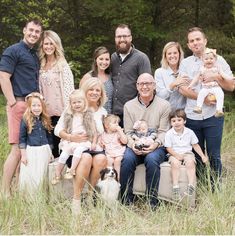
<point x="123" y="50"/>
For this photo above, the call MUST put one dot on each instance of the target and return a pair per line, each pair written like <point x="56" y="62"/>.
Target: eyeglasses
<point x="147" y="84"/>
<point x="35" y="95"/>
<point x="122" y="36"/>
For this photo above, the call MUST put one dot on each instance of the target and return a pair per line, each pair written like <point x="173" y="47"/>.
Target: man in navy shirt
<point x="19" y="69"/>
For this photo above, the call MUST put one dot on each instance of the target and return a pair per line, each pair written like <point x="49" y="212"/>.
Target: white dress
<point x="32" y="175"/>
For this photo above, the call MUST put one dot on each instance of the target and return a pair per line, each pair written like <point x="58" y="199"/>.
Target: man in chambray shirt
<point x="206" y="126"/>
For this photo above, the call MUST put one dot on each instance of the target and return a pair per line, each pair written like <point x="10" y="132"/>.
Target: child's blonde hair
<point x="29" y="116"/>
<point x="87" y="115"/>
<point x="109" y="118"/>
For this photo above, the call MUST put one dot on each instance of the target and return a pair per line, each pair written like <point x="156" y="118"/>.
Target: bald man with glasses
<point x="155" y="111"/>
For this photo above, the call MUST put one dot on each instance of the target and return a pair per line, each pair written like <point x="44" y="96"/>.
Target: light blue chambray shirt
<point x="163" y="78"/>
<point x="190" y="66"/>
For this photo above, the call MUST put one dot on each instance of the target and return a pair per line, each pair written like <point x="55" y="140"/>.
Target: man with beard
<point x="127" y="63"/>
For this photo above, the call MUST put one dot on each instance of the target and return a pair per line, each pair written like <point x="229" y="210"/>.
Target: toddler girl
<point x="34" y="143"/>
<point x="209" y="68"/>
<point x="76" y="119"/>
<point x="142" y="135"/>
<point x="113" y="141"/>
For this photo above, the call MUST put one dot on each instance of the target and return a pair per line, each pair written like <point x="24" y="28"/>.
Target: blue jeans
<point x="209" y="133"/>
<point x="152" y="163"/>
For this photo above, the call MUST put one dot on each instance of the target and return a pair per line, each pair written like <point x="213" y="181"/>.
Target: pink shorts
<point x="14" y="116"/>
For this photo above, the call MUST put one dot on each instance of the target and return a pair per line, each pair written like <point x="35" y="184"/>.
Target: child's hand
<point x="204" y="159"/>
<point x="24" y="160"/>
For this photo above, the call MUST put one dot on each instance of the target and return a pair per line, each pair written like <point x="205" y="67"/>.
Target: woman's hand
<point x="78" y="138"/>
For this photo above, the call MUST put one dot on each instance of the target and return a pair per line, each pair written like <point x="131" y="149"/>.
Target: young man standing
<point x="19" y="69"/>
<point x="127" y="63"/>
<point x="206" y="126"/>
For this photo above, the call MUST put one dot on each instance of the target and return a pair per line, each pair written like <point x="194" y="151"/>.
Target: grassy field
<point x="214" y="213"/>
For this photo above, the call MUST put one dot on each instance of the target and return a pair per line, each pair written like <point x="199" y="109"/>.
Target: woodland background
<point x="84" y="25"/>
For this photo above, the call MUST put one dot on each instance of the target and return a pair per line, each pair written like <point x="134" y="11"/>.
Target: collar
<point x="171" y="72"/>
<point x="143" y="103"/>
<point x="196" y="58"/>
<point x="25" y="45"/>
<point x="182" y="134"/>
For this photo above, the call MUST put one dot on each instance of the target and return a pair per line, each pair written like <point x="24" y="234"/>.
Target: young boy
<point x="179" y="141"/>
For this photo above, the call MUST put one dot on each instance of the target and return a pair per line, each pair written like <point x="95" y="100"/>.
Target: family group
<point x="121" y="115"/>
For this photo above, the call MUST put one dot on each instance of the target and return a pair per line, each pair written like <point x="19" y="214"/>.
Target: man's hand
<point x="137" y="151"/>
<point x="151" y="148"/>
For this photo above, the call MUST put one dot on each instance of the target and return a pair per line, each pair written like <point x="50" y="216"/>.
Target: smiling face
<point x="48" y="47"/>
<point x="197" y="42"/>
<point x="93" y="94"/>
<point x="172" y="56"/>
<point x="36" y="106"/>
<point x="178" y="124"/>
<point x="103" y="61"/>
<point x="209" y="60"/>
<point x="32" y="33"/>
<point x="146" y="86"/>
<point x="123" y="40"/>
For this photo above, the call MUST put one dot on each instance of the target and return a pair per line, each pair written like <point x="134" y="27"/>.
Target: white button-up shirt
<point x="190" y="66"/>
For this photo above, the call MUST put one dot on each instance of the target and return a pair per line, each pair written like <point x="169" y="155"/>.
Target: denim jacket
<point x="38" y="137"/>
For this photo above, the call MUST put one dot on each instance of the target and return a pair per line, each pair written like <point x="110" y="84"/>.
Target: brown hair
<point x="123" y="26"/>
<point x="194" y="29"/>
<point x="177" y="113"/>
<point x="98" y="51"/>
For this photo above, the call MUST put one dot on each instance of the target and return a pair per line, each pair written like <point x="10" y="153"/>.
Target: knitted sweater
<point x="156" y="115"/>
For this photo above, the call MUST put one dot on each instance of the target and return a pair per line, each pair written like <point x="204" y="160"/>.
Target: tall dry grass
<point x="214" y="212"/>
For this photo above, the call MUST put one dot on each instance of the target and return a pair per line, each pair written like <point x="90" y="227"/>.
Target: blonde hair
<point x="77" y="94"/>
<point x="87" y="115"/>
<point x="92" y="82"/>
<point x="29" y="117"/>
<point x="169" y="45"/>
<point x="108" y="119"/>
<point x="59" y="51"/>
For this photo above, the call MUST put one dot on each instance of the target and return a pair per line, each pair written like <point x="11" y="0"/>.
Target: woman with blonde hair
<point x="91" y="162"/>
<point x="55" y="78"/>
<point x="101" y="69"/>
<point x="167" y="77"/>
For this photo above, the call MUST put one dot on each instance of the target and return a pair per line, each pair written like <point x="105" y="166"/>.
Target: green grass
<point x="214" y="213"/>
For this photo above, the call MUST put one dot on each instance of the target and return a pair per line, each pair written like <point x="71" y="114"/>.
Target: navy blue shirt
<point x="38" y="137"/>
<point x="23" y="64"/>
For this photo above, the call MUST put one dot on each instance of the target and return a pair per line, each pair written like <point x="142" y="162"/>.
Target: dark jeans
<point x="209" y="133"/>
<point x="152" y="163"/>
